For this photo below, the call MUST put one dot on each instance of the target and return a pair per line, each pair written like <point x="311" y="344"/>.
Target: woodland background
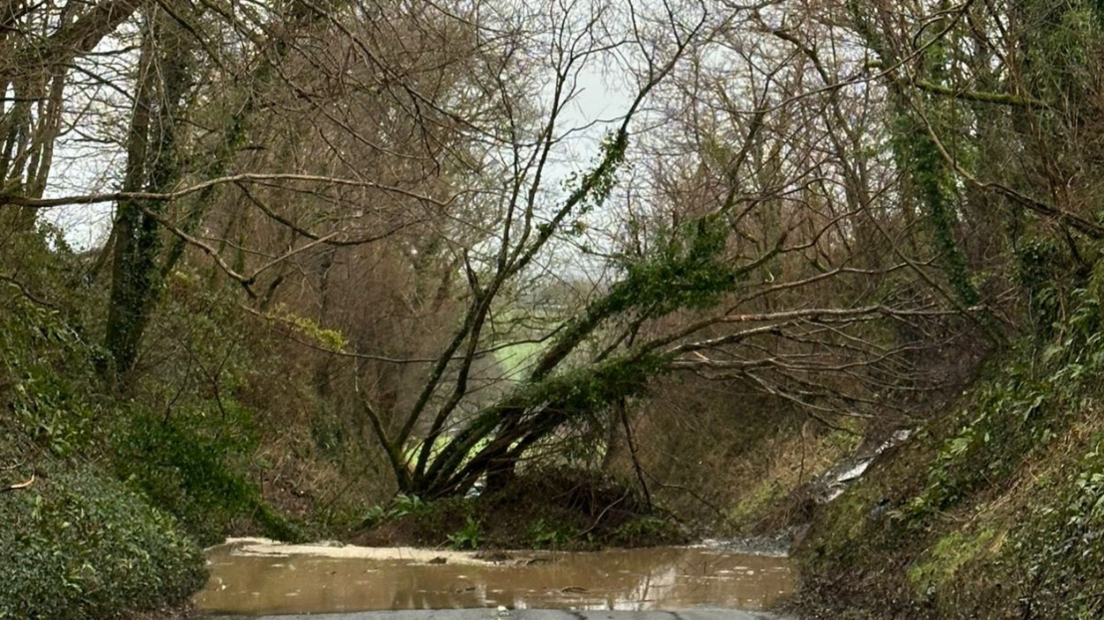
<point x="362" y="259"/>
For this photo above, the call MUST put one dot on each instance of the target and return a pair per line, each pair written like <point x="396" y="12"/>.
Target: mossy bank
<point x="995" y="507"/>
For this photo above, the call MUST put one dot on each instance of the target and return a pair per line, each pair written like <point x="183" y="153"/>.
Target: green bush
<point x="78" y="545"/>
<point x="544" y="534"/>
<point x="46" y="375"/>
<point x="468" y="536"/>
<point x="1041" y="387"/>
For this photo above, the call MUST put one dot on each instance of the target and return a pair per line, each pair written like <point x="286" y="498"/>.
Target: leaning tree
<point x="398" y="187"/>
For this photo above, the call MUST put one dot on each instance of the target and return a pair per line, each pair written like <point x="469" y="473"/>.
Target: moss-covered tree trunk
<point x="152" y="166"/>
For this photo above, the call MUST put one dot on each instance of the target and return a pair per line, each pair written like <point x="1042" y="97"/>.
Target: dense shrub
<point x="78" y="545"/>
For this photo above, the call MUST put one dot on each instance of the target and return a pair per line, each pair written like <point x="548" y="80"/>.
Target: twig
<point x="20" y="486"/>
<point x="601" y="515"/>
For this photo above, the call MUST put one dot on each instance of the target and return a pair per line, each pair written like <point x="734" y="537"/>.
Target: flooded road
<point x="257" y="577"/>
<point x="526" y="614"/>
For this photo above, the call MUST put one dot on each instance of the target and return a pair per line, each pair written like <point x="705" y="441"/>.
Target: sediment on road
<point x="533" y="614"/>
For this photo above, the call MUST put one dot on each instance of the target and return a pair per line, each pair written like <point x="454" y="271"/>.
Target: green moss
<point x="950" y="554"/>
<point x="782" y="463"/>
<point x="756" y="501"/>
<point x="327" y="339"/>
<point x="839" y="533"/>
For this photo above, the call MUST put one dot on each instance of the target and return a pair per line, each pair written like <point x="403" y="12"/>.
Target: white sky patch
<point x="82" y="170"/>
<point x="88" y="156"/>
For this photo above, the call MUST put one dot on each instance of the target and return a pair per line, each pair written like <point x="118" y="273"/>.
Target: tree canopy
<point x="489" y="229"/>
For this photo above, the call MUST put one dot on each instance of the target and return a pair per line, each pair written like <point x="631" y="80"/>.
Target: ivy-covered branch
<point x="978" y="96"/>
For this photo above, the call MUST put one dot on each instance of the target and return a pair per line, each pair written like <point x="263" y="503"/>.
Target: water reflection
<point x="248" y="578"/>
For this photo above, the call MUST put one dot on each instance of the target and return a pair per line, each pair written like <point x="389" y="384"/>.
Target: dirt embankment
<point x="558" y="508"/>
<point x="994" y="508"/>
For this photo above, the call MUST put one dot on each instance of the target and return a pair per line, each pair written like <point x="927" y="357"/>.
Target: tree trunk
<point x="152" y="166"/>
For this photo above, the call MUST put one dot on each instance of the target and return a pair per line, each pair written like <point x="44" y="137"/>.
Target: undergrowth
<point x="550" y="508"/>
<point x="125" y="485"/>
<point x="996" y="508"/>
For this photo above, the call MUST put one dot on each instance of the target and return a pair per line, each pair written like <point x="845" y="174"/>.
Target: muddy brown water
<point x="255" y="577"/>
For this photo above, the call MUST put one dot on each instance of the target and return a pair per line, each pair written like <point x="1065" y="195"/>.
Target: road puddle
<point x="254" y="576"/>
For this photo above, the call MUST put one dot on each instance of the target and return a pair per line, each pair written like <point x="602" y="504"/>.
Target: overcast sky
<point x="83" y="168"/>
